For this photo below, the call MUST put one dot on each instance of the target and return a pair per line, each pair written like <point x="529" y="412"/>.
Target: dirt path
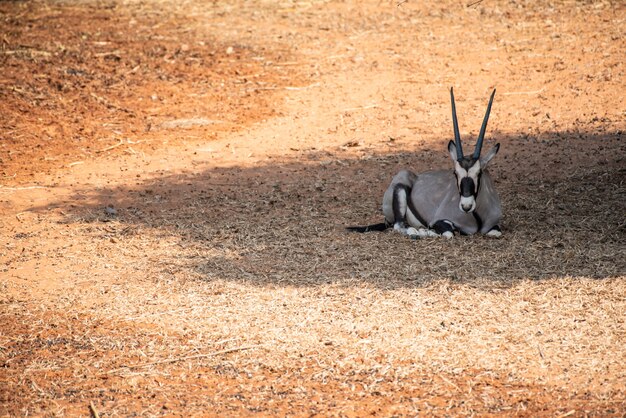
<point x="176" y="179"/>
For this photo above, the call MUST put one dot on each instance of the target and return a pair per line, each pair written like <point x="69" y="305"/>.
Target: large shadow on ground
<point x="283" y="224"/>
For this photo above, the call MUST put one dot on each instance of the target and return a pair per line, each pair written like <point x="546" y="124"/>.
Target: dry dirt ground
<point x="175" y="179"/>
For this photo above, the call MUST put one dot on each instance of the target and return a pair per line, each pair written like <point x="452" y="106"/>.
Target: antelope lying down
<point x="437" y="203"/>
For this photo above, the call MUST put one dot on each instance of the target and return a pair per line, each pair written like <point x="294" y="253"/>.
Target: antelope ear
<point x="452" y="150"/>
<point x="492" y="153"/>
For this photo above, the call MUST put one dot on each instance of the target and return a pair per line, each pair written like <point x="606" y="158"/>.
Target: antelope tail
<point x="374" y="227"/>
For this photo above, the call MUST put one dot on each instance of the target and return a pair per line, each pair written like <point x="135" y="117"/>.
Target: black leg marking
<point x="443" y="226"/>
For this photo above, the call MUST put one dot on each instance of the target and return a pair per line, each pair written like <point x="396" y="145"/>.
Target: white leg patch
<point x="494" y="233"/>
<point x="425" y="233"/>
<point x="412" y="232"/>
<point x="420" y="233"/>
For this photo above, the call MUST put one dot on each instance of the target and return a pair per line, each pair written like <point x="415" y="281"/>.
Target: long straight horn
<point x="481" y="135"/>
<point x="457" y="135"/>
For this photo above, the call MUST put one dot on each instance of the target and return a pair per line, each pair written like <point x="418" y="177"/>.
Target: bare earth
<point x="175" y="179"/>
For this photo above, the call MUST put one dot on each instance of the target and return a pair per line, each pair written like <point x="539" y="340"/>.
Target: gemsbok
<point x="438" y="203"/>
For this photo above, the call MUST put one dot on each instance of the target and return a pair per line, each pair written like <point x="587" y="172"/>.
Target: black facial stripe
<point x="467" y="187"/>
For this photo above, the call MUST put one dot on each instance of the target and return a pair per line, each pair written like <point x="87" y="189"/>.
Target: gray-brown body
<point x="433" y="196"/>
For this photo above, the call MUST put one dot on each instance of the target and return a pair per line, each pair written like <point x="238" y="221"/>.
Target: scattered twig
<point x="75" y="163"/>
<point x="401" y="3"/>
<point x="302" y="88"/>
<point x="450" y="383"/>
<point x="144" y="316"/>
<point x="93" y="410"/>
<point x="511" y="93"/>
<point x="178" y="359"/>
<point x="567" y="414"/>
<point x="540" y="353"/>
<point x="37" y="388"/>
<point x="351" y="109"/>
<point x="134" y="69"/>
<point x="188" y="123"/>
<point x="22" y="188"/>
<point x="122" y="142"/>
<point x="290" y="63"/>
<point x="285" y="88"/>
<point x="115" y="54"/>
<point x="111" y="147"/>
<point x="227" y="340"/>
<point x="474" y="3"/>
<point x="29" y="51"/>
<point x="110" y="105"/>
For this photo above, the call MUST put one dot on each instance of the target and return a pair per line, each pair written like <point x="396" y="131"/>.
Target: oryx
<point x="437" y="203"/>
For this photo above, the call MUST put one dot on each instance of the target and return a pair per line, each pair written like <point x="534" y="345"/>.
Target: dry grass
<point x="502" y="324"/>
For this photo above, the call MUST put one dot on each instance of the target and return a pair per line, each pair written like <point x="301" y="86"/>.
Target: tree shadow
<point x="283" y="224"/>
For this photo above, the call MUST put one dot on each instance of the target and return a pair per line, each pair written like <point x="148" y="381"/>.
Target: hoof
<point x="427" y="233"/>
<point x="494" y="233"/>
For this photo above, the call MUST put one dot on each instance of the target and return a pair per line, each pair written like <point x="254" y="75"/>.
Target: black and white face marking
<point x="467" y="169"/>
<point x="467" y="173"/>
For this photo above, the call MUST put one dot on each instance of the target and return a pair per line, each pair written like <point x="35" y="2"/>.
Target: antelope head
<point x="468" y="169"/>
